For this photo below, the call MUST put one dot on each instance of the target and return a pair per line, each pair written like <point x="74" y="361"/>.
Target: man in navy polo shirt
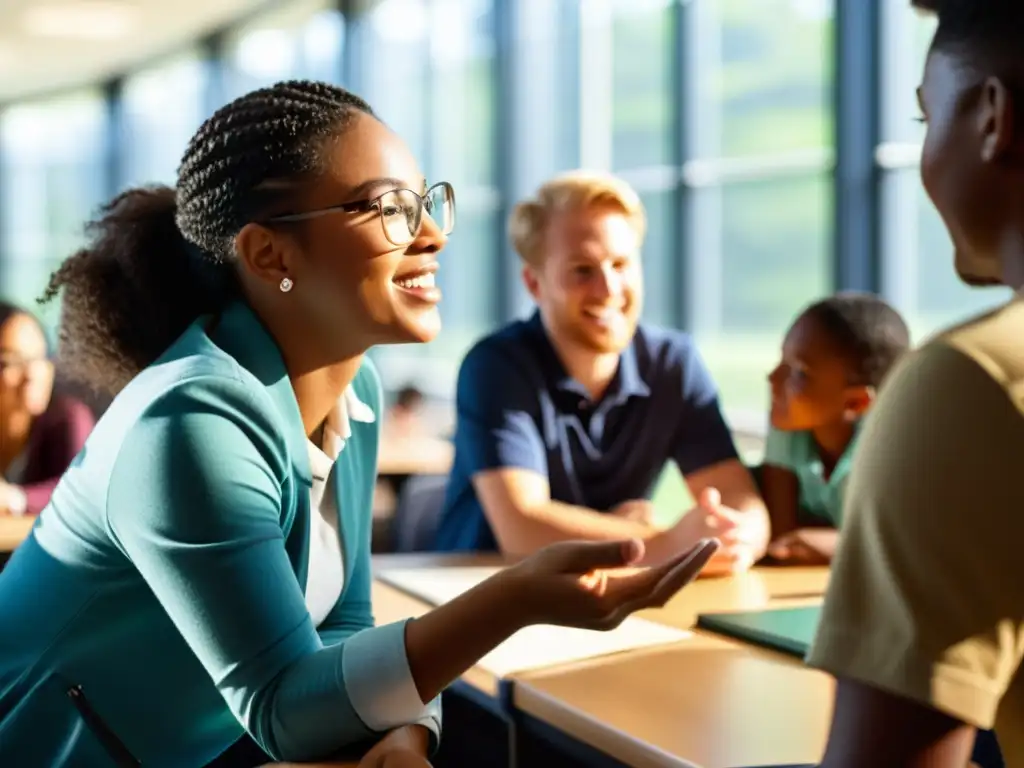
<point x="566" y="420"/>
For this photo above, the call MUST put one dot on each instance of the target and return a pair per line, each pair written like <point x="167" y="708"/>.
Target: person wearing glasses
<point x="206" y="558"/>
<point x="40" y="432"/>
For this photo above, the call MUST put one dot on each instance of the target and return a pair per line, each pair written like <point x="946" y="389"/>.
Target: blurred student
<point x="834" y="358"/>
<point x="40" y="433"/>
<point x="923" y="624"/>
<point x="566" y="420"/>
<point x="405" y="418"/>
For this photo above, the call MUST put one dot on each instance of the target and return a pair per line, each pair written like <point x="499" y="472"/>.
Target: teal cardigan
<point x="157" y="611"/>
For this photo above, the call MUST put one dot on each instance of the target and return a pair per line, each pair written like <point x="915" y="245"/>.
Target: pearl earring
<point x="286" y="284"/>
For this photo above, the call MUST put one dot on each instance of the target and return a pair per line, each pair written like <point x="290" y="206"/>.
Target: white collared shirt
<point x="380" y="683"/>
<point x="326" y="574"/>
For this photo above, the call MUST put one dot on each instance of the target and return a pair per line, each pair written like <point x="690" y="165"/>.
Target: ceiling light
<point x="84" y="20"/>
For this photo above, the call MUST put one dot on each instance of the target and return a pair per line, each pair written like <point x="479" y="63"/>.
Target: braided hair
<point x="157" y="258"/>
<point x="865" y="330"/>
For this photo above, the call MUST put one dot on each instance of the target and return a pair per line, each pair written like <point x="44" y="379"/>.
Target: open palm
<point x="584" y="584"/>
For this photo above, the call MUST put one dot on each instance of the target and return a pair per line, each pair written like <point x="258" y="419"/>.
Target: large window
<point x="760" y="152"/>
<point x="918" y="274"/>
<point x="642" y="138"/>
<point x="542" y="128"/>
<point x="430" y="70"/>
<point x="719" y="112"/>
<point x="54" y="159"/>
<point x="642" y="85"/>
<point x="394" y="68"/>
<point x="300" y="40"/>
<point x="163" y="107"/>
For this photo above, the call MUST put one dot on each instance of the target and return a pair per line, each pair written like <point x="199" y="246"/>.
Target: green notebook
<point x="789" y="630"/>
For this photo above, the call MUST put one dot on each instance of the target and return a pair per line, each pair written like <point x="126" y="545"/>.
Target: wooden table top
<point x="13" y="531"/>
<point x="758" y="589"/>
<point x="704" y="701"/>
<point x="707" y="701"/>
<point x="710" y="703"/>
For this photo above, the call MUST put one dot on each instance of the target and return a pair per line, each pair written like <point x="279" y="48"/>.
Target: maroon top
<point x="56" y="438"/>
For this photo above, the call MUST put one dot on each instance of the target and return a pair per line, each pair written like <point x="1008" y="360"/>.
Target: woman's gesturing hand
<point x="575" y="584"/>
<point x="583" y="584"/>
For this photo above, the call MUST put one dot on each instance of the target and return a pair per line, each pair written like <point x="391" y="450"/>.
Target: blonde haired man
<point x="566" y="420"/>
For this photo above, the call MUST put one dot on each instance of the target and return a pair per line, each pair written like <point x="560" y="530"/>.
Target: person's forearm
<point x="555" y="521"/>
<point x="780" y="491"/>
<point x="442" y="644"/>
<point x="782" y="512"/>
<point x="821" y="540"/>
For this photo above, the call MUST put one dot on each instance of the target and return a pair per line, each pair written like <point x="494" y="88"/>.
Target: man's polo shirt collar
<point x="628" y="381"/>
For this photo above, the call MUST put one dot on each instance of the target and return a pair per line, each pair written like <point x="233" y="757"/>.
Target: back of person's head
<point x="992" y="28"/>
<point x="158" y="258"/>
<point x="571" y="191"/>
<point x="865" y="330"/>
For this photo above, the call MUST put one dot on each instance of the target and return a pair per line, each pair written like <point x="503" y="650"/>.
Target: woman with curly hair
<point x="206" y="559"/>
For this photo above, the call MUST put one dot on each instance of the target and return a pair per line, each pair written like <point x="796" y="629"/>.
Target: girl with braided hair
<point x="205" y="561"/>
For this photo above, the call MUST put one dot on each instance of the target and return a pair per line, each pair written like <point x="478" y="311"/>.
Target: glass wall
<point x="429" y="70"/>
<point x="299" y="40"/>
<point x="719" y="112"/>
<point x="760" y="154"/>
<point x="162" y="107"/>
<point x="642" y="132"/>
<point x="53" y="156"/>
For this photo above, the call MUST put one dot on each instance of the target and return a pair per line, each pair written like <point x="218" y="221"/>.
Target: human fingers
<point x="801" y="552"/>
<point x="780" y="549"/>
<point x="581" y="557"/>
<point x="710" y="498"/>
<point x="729" y="560"/>
<point x="655" y="587"/>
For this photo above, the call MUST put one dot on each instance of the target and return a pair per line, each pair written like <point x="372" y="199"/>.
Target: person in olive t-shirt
<point x="923" y="624"/>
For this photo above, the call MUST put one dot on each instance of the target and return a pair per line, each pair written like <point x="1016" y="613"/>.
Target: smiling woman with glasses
<point x="206" y="559"/>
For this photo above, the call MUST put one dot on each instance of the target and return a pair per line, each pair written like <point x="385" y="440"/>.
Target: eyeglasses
<point x="400" y="210"/>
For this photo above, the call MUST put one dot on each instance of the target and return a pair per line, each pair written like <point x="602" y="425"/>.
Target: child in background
<point x="834" y="358"/>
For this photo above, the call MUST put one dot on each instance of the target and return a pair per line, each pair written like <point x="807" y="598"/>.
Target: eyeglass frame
<point x="373" y="204"/>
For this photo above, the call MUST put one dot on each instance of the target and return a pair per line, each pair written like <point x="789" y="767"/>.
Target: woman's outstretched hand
<point x="574" y="584"/>
<point x="582" y="584"/>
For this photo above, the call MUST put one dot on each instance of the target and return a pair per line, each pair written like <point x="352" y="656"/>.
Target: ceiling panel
<point x="48" y="45"/>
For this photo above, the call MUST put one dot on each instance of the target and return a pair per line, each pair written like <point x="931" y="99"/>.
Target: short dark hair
<point x="867" y="332"/>
<point x="981" y="26"/>
<point x="158" y="258"/>
<point x="409" y="396"/>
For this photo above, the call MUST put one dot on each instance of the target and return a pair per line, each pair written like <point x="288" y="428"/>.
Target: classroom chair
<point x="418" y="513"/>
